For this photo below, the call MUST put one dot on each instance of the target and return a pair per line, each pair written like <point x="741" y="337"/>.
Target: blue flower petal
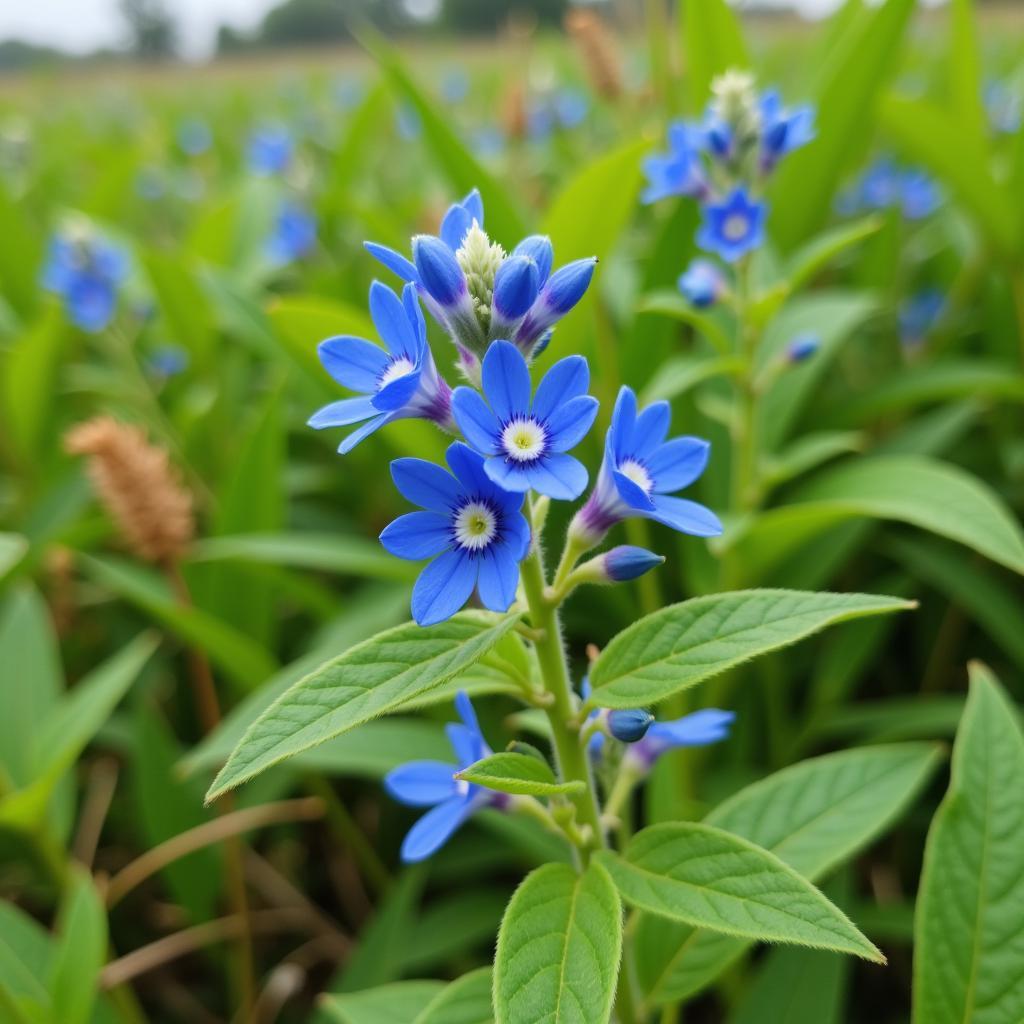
<point x="558" y="476"/>
<point x="411" y="302"/>
<point x="677" y="463"/>
<point x="394" y="395"/>
<point x="426" y="485"/>
<point x="708" y="725"/>
<point x="443" y="588"/>
<point x="686" y="516"/>
<point x="539" y="249"/>
<point x="517" y="535"/>
<point x="474" y="205"/>
<point x="466" y="711"/>
<point x="632" y="493"/>
<point x="395" y="261"/>
<point x="651" y="429"/>
<point x="506" y="380"/>
<point x="392" y="321"/>
<point x="422" y="783"/>
<point x="457" y="221"/>
<point x="435" y="828"/>
<point x="364" y="432"/>
<point x="342" y="413"/>
<point x="499" y="577"/>
<point x="571" y="422"/>
<point x="468" y="467"/>
<point x="508" y="475"/>
<point x="417" y="535"/>
<point x="620" y="433"/>
<point x="567" y="379"/>
<point x="476" y="421"/>
<point x="353" y="362"/>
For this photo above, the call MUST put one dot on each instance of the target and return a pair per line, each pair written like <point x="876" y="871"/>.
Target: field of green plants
<point x="297" y="725"/>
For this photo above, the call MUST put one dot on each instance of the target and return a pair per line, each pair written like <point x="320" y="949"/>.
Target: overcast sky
<point x="82" y="25"/>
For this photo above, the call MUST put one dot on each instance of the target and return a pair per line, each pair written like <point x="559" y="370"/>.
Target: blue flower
<point x="571" y="107"/>
<point x="400" y="383"/>
<point x="640" y="470"/>
<point x="433" y="784"/>
<point x="732" y="227"/>
<point x="525" y="442"/>
<point x="699" y="729"/>
<point x="802" y="347"/>
<point x="194" y="136"/>
<point x="629" y="725"/>
<point x="293" y="236"/>
<point x="86" y="273"/>
<point x="167" y="361"/>
<point x="918" y="316"/>
<point x="408" y="122"/>
<point x="460" y="274"/>
<point x="702" y="283"/>
<point x="679" y="172"/>
<point x="782" y="130"/>
<point x="269" y="150"/>
<point x="628" y="562"/>
<point x="472" y="528"/>
<point x="919" y="195"/>
<point x="454" y="86"/>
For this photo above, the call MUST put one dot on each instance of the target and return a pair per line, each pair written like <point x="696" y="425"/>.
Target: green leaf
<point x="712" y="43"/>
<point x="373" y="678"/>
<point x="856" y="73"/>
<point x="681" y="645"/>
<point x="558" y="949"/>
<point x="808" y="452"/>
<point x="814" y="816"/>
<point x="20" y="255"/>
<point x="968" y="952"/>
<point x="678" y="375"/>
<point x="80" y="951"/>
<point x="824" y="248"/>
<point x="705" y="877"/>
<point x="933" y="495"/>
<point x="29" y="381"/>
<point x="517" y="773"/>
<point x="183" y="302"/>
<point x="450" y="929"/>
<point x="465" y="1001"/>
<point x="236" y="654"/>
<point x="323" y="552"/>
<point x="389" y="1004"/>
<point x="463" y="170"/>
<point x="672" y="304"/>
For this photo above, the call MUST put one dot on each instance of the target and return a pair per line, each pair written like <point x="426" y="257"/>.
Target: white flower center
<point x="735" y="227"/>
<point x="480" y="258"/>
<point x="635" y="471"/>
<point x="475" y="525"/>
<point x="399" y="368"/>
<point x="523" y="440"/>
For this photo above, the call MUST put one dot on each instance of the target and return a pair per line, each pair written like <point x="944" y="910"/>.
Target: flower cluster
<point x="885" y="185"/>
<point x="723" y="159"/>
<point x="499" y="310"/>
<point x="86" y="271"/>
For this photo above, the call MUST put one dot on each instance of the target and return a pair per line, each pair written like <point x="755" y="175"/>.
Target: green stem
<point x="570" y="753"/>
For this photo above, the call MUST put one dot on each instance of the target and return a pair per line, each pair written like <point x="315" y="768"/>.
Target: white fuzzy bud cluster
<point x="480" y="259"/>
<point x="735" y="102"/>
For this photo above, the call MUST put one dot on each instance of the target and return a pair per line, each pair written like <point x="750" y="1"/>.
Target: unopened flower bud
<point x="802" y="348"/>
<point x="629" y="725"/>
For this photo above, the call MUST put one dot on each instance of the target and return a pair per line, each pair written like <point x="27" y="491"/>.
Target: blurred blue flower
<point x="699" y="729"/>
<point x="802" y="347"/>
<point x="347" y="92"/>
<point x="293" y="235"/>
<point x="433" y="784"/>
<point x="540" y="120"/>
<point x="270" y="150"/>
<point x="472" y="529"/>
<point x="525" y="442"/>
<point x="86" y="272"/>
<point x="702" y="283"/>
<point x="571" y="107"/>
<point x="194" y="136"/>
<point x="732" y="227"/>
<point x="640" y="470"/>
<point x="884" y="185"/>
<point x="918" y="315"/>
<point x="679" y="172"/>
<point x="1004" y="106"/>
<point x="167" y="361"/>
<point x="454" y="85"/>
<point x="400" y="383"/>
<point x="488" y="142"/>
<point x="782" y="130"/>
<point x="920" y="195"/>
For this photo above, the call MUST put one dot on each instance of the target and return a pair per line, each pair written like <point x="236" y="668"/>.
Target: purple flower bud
<point x="516" y="285"/>
<point x="540" y="250"/>
<point x="802" y="348"/>
<point x="627" y="562"/>
<point x="629" y="725"/>
<point x="439" y="272"/>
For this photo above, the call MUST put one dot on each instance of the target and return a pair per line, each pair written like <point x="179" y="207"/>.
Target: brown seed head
<point x="598" y="51"/>
<point x="138" y="486"/>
